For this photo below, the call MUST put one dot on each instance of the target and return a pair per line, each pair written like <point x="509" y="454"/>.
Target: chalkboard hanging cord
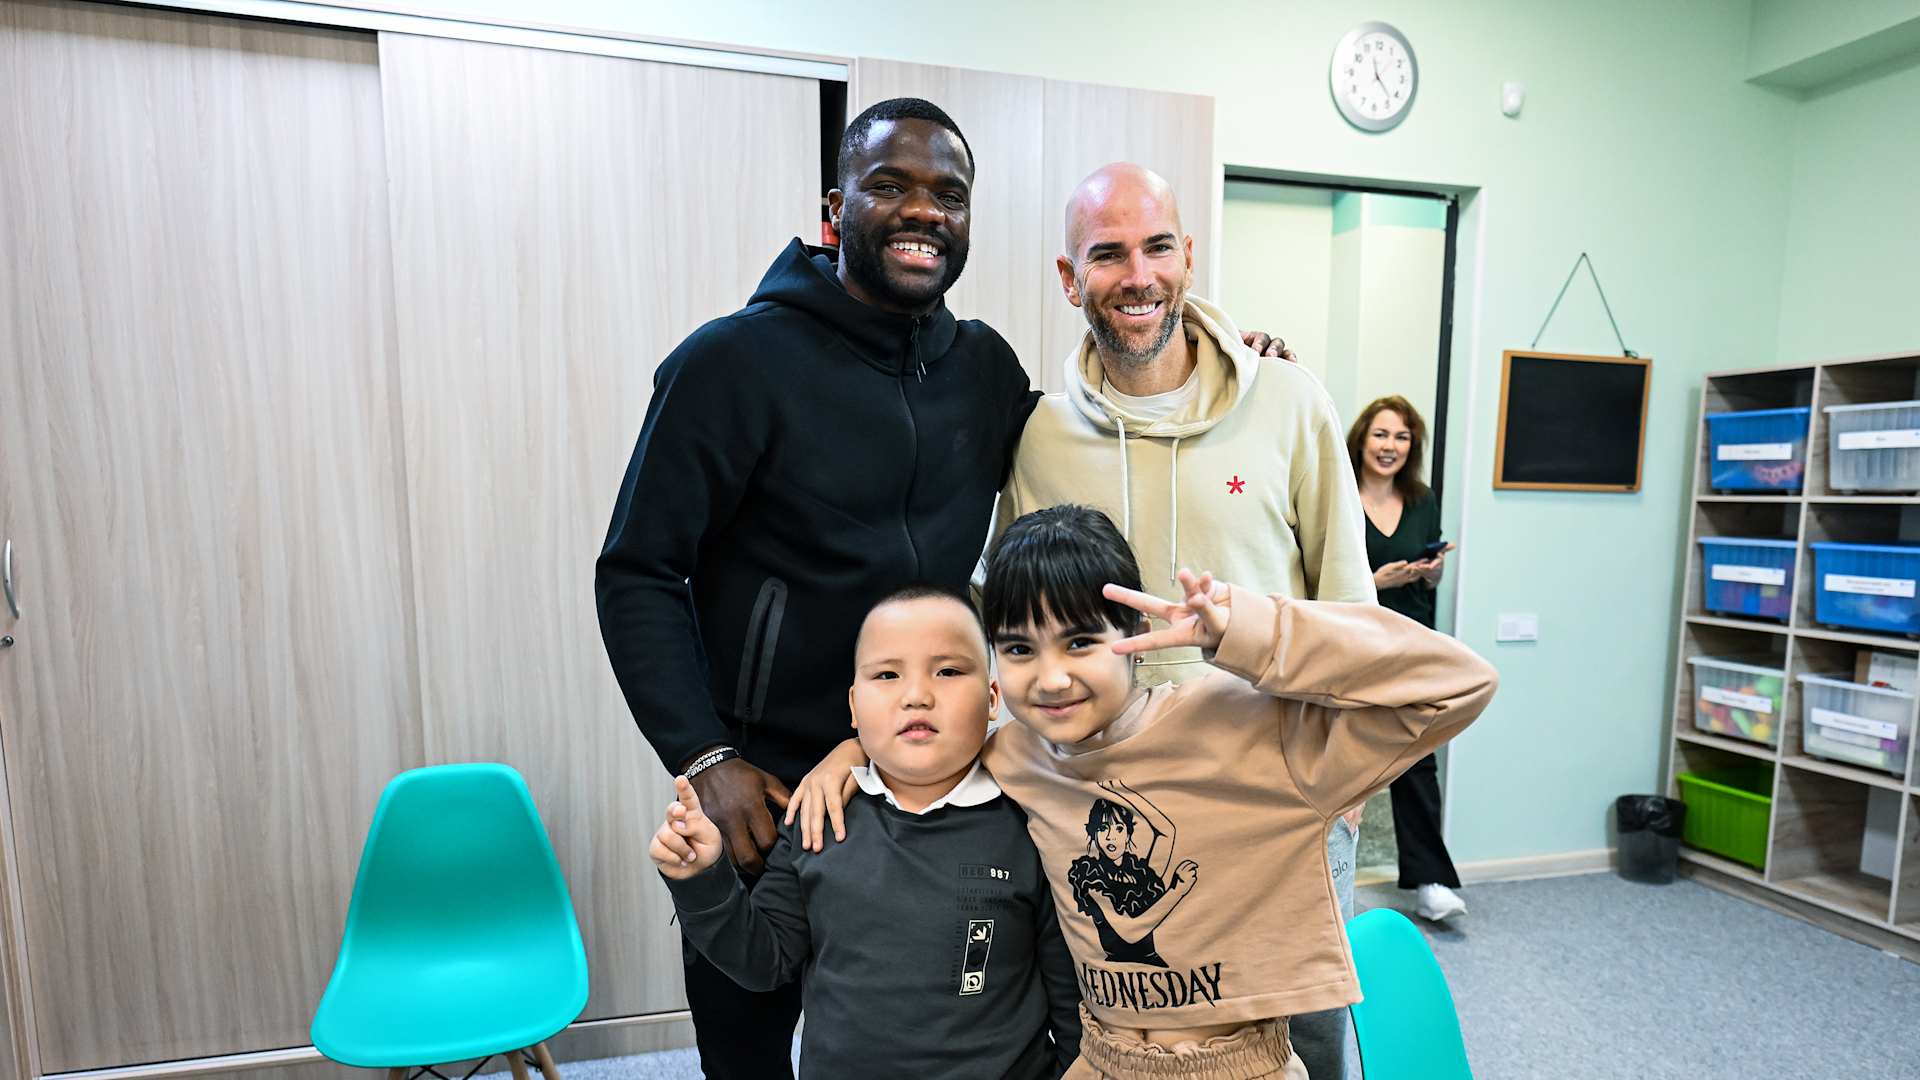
<point x="1591" y="272"/>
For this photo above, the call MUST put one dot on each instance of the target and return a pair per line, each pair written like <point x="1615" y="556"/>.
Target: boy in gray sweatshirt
<point x="927" y="941"/>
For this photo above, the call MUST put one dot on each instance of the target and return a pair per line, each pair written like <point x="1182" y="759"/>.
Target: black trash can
<point x="1650" y="827"/>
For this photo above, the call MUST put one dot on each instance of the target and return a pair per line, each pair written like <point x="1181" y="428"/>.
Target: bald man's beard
<point x="1107" y="335"/>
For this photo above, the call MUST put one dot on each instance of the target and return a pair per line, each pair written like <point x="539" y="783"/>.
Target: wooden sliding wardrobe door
<point x="561" y="221"/>
<point x="199" y="474"/>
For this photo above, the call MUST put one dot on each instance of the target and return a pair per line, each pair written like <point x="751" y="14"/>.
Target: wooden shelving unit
<point x="1820" y="808"/>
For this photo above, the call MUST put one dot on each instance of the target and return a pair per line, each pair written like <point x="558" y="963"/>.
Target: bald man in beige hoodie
<point x="1204" y="452"/>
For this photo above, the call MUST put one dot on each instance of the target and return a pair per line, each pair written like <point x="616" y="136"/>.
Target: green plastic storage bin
<point x="1727" y="811"/>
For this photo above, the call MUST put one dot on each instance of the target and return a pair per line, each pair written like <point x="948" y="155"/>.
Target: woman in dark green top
<point x="1388" y="444"/>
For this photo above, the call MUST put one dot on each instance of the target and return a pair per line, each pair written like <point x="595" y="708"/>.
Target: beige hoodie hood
<point x="1250" y="479"/>
<point x="1224" y="366"/>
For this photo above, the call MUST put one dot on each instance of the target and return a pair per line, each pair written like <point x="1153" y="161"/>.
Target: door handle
<point x="6" y="579"/>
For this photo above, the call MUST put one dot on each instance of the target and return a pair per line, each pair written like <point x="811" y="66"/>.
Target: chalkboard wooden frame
<point x="1500" y="445"/>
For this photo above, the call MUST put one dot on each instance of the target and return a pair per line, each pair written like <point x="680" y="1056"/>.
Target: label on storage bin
<point x="1752" y="575"/>
<point x="1870" y="586"/>
<point x="1879" y="440"/>
<point x="1879" y="729"/>
<point x="1756" y="451"/>
<point x="1736" y="700"/>
<point x="1847" y="738"/>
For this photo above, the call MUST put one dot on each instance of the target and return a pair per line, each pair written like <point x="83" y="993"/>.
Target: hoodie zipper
<point x="913" y="439"/>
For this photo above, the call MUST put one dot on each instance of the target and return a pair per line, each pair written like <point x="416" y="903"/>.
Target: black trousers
<point x="1416" y="828"/>
<point x="741" y="1035"/>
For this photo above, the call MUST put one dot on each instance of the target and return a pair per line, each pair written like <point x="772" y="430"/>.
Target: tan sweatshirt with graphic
<point x="1187" y="851"/>
<point x="1251" y="480"/>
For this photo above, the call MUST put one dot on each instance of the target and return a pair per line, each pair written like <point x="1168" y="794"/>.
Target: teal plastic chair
<point x="1406" y="1026"/>
<point x="461" y="940"/>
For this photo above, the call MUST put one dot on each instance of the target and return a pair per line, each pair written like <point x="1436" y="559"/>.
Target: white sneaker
<point x="1437" y="902"/>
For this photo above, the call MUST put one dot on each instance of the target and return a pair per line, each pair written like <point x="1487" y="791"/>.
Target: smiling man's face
<point x="1128" y="266"/>
<point x="903" y="215"/>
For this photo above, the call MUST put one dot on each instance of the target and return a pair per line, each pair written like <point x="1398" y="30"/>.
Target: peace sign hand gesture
<point x="1199" y="620"/>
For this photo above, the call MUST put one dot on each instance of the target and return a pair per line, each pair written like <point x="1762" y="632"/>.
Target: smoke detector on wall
<point x="1513" y="95"/>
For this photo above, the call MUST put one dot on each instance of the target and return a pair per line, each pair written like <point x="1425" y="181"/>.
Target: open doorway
<point x="1359" y="280"/>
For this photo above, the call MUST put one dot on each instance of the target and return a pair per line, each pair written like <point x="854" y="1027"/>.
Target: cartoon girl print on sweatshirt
<point x="1125" y="891"/>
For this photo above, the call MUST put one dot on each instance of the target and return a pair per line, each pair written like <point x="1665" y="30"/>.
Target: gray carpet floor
<point x="1595" y="977"/>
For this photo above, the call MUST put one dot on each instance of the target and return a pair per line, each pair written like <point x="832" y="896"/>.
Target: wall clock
<point x="1373" y="76"/>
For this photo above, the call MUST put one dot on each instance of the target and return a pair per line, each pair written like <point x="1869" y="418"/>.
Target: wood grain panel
<point x="1087" y="126"/>
<point x="1818" y="822"/>
<point x="560" y="223"/>
<point x="199" y="472"/>
<point x="1906" y="899"/>
<point x="1009" y="280"/>
<point x="19" y="1054"/>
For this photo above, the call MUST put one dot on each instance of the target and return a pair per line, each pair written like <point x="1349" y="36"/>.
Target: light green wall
<point x="1275" y="249"/>
<point x="1383" y="315"/>
<point x="1803" y="42"/>
<point x="1851" y="284"/>
<point x="1401" y="271"/>
<point x="1399" y="245"/>
<point x="1640" y="143"/>
<point x="1352" y="209"/>
<point x="1344" y="285"/>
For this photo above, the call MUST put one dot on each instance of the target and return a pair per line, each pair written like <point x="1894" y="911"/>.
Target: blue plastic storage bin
<point x="1758" y="450"/>
<point x="1748" y="577"/>
<point x="1867" y="586"/>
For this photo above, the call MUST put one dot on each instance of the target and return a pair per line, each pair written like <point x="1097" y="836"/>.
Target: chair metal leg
<point x="517" y="1059"/>
<point x="544" y="1058"/>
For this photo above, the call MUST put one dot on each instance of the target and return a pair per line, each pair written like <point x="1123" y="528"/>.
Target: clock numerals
<point x="1373" y="75"/>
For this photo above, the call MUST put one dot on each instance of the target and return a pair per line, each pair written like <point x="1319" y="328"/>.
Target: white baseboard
<point x="1526" y="868"/>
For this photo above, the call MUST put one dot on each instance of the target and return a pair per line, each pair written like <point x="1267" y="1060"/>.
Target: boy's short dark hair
<point x="1053" y="564"/>
<point x="933" y="590"/>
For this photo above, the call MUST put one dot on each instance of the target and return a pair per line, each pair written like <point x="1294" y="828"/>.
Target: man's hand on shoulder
<point x="1264" y="344"/>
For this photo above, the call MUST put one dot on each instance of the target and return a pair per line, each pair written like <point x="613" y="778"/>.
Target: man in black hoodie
<point x="840" y="435"/>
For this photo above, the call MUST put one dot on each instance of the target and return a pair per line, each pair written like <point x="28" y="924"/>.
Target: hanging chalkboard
<point x="1571" y="423"/>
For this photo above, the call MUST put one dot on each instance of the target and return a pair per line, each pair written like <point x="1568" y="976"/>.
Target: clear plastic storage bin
<point x="1874" y="447"/>
<point x="1860" y="725"/>
<point x="1867" y="586"/>
<point x="1738" y="699"/>
<point x="1752" y="578"/>
<point x="1758" y="450"/>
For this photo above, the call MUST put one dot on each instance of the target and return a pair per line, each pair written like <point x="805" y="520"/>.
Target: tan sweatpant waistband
<point x="1254" y="1052"/>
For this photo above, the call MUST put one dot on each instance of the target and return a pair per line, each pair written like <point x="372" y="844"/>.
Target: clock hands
<point x="1377" y="54"/>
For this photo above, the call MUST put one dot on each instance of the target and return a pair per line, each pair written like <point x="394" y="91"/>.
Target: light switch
<point x="1519" y="627"/>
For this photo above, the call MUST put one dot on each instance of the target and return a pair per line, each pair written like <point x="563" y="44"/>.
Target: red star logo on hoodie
<point x="1234" y="485"/>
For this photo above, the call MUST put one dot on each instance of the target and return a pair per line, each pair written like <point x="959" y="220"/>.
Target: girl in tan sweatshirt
<point x="1182" y="828"/>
